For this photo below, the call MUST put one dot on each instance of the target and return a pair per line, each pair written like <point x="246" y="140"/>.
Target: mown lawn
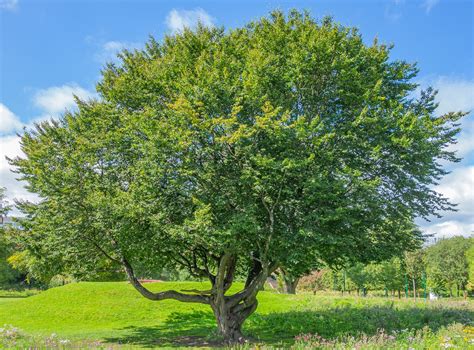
<point x="113" y="314"/>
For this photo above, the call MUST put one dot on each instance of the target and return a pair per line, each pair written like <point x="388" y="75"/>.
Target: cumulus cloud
<point x="57" y="99"/>
<point x="458" y="186"/>
<point x="177" y="20"/>
<point x="52" y="102"/>
<point x="456" y="94"/>
<point x="9" y="122"/>
<point x="448" y="229"/>
<point x="8" y="5"/>
<point x="10" y="147"/>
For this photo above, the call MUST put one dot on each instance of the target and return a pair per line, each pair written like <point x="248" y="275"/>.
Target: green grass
<point x="114" y="313"/>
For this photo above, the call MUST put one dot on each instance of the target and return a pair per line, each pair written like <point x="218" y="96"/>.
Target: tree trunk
<point x="414" y="289"/>
<point x="399" y="294"/>
<point x="230" y="318"/>
<point x="230" y="311"/>
<point x="229" y="324"/>
<point x="290" y="285"/>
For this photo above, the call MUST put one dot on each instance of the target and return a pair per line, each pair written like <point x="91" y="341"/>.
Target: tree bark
<point x="291" y="284"/>
<point x="414" y="289"/>
<point x="230" y="320"/>
<point x="230" y="311"/>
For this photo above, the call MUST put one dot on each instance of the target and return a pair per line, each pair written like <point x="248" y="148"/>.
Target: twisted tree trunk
<point x="230" y="311"/>
<point x="229" y="321"/>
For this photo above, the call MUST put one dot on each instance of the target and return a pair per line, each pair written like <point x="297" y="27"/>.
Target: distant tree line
<point x="444" y="268"/>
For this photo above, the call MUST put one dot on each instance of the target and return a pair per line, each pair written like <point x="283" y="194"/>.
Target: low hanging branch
<point x="169" y="294"/>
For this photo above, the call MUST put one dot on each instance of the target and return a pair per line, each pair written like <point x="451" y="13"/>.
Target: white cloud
<point x="9" y="122"/>
<point x="447" y="229"/>
<point x="57" y="99"/>
<point x="458" y="95"/>
<point x="9" y="5"/>
<point x="458" y="187"/>
<point x="52" y="102"/>
<point x="429" y="4"/>
<point x="109" y="50"/>
<point x="455" y="94"/>
<point x="10" y="147"/>
<point x="177" y="20"/>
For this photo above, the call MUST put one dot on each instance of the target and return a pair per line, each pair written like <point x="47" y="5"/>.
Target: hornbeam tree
<point x="233" y="153"/>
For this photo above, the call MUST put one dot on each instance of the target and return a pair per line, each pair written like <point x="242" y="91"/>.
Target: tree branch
<point x="169" y="294"/>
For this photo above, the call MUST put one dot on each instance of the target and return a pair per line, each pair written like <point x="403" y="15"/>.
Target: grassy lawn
<point x="112" y="314"/>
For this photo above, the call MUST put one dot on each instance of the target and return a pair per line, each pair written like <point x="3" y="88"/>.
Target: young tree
<point x="388" y="275"/>
<point x="226" y="151"/>
<point x="314" y="281"/>
<point x="415" y="267"/>
<point x="360" y="277"/>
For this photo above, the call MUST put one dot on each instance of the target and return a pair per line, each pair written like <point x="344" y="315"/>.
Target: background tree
<point x="314" y="281"/>
<point x="8" y="275"/>
<point x="447" y="264"/>
<point x="388" y="275"/>
<point x="360" y="276"/>
<point x="296" y="265"/>
<point x="225" y="151"/>
<point x="415" y="267"/>
<point x="470" y="263"/>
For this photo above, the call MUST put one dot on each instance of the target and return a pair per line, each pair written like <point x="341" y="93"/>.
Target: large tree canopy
<point x="233" y="153"/>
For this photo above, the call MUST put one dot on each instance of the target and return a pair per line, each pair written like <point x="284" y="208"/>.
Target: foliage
<point x="388" y="275"/>
<point x="314" y="281"/>
<point x="415" y="266"/>
<point x="447" y="264"/>
<point x="470" y="263"/>
<point x="456" y="336"/>
<point x="285" y="143"/>
<point x="8" y="275"/>
<point x="360" y="276"/>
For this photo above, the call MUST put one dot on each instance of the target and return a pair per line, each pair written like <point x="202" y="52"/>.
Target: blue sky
<point x="52" y="49"/>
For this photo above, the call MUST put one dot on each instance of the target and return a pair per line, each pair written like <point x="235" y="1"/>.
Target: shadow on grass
<point x="198" y="328"/>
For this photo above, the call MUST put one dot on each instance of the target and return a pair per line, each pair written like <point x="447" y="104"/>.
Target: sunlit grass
<point x="114" y="313"/>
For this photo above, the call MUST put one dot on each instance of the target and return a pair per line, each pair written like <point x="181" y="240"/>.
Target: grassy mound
<point x="113" y="312"/>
